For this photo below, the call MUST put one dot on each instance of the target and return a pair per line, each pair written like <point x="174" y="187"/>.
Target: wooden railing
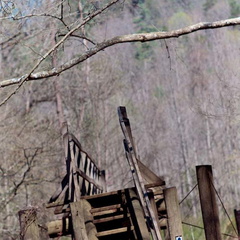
<point x="83" y="176"/>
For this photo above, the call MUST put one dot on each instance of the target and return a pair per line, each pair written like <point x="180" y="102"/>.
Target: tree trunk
<point x="28" y="224"/>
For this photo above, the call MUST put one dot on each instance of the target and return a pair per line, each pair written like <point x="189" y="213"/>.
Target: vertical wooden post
<point x="28" y="224"/>
<point x="237" y="218"/>
<point x="78" y="222"/>
<point x="137" y="216"/>
<point x="208" y="202"/>
<point x="173" y="213"/>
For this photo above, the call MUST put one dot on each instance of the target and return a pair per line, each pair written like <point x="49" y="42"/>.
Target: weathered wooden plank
<point x="100" y="195"/>
<point x="107" y="212"/>
<point x="115" y="231"/>
<point x="208" y="202"/>
<point x="101" y="209"/>
<point x="64" y="209"/>
<point x="78" y="222"/>
<point x="173" y="213"/>
<point x="59" y="196"/>
<point x="148" y="175"/>
<point x="28" y="224"/>
<point x="74" y="157"/>
<point x="108" y="219"/>
<point x="57" y="227"/>
<point x="90" y="227"/>
<point x="86" y="177"/>
<point x="154" y="207"/>
<point x="70" y="181"/>
<point x="154" y="184"/>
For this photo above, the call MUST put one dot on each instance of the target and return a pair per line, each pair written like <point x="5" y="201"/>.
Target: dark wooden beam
<point x="208" y="202"/>
<point x="237" y="218"/>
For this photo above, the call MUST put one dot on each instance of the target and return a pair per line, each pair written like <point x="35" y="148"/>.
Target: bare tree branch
<point x="81" y="37"/>
<point x="141" y="37"/>
<point x="30" y="158"/>
<point x="27" y="76"/>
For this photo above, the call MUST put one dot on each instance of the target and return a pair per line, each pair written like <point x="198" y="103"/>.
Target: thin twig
<point x="27" y="76"/>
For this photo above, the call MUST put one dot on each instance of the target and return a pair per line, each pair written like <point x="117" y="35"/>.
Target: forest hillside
<point x="182" y="97"/>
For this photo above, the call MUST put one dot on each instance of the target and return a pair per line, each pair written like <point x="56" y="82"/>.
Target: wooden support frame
<point x="79" y="229"/>
<point x="83" y="177"/>
<point x="82" y="221"/>
<point x="208" y="202"/>
<point x="174" y="220"/>
<point x="137" y="216"/>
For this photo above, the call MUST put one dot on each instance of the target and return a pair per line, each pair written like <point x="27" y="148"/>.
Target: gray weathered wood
<point x="57" y="227"/>
<point x="149" y="176"/>
<point x="208" y="202"/>
<point x="132" y="159"/>
<point x="78" y="222"/>
<point x="28" y="224"/>
<point x="82" y="221"/>
<point x="90" y="227"/>
<point x="173" y="213"/>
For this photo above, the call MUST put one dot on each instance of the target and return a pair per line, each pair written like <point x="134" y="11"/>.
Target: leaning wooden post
<point x="208" y="202"/>
<point x="237" y="218"/>
<point x="28" y="224"/>
<point x="173" y="213"/>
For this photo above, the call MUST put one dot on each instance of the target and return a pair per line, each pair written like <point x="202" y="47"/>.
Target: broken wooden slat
<point x="154" y="207"/>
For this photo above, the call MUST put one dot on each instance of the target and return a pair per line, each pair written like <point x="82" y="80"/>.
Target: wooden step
<point x="102" y="209"/>
<point x="111" y="211"/>
<point x="115" y="231"/>
<point x="108" y="219"/>
<point x="103" y="199"/>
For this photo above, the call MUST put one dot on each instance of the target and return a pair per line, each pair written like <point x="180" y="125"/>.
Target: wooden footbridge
<point x="148" y="211"/>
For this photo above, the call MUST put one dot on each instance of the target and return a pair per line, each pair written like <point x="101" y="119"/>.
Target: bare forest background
<point x="182" y="97"/>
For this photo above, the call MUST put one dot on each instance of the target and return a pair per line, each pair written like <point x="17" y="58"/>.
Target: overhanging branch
<point x="142" y="37"/>
<point x="21" y="80"/>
